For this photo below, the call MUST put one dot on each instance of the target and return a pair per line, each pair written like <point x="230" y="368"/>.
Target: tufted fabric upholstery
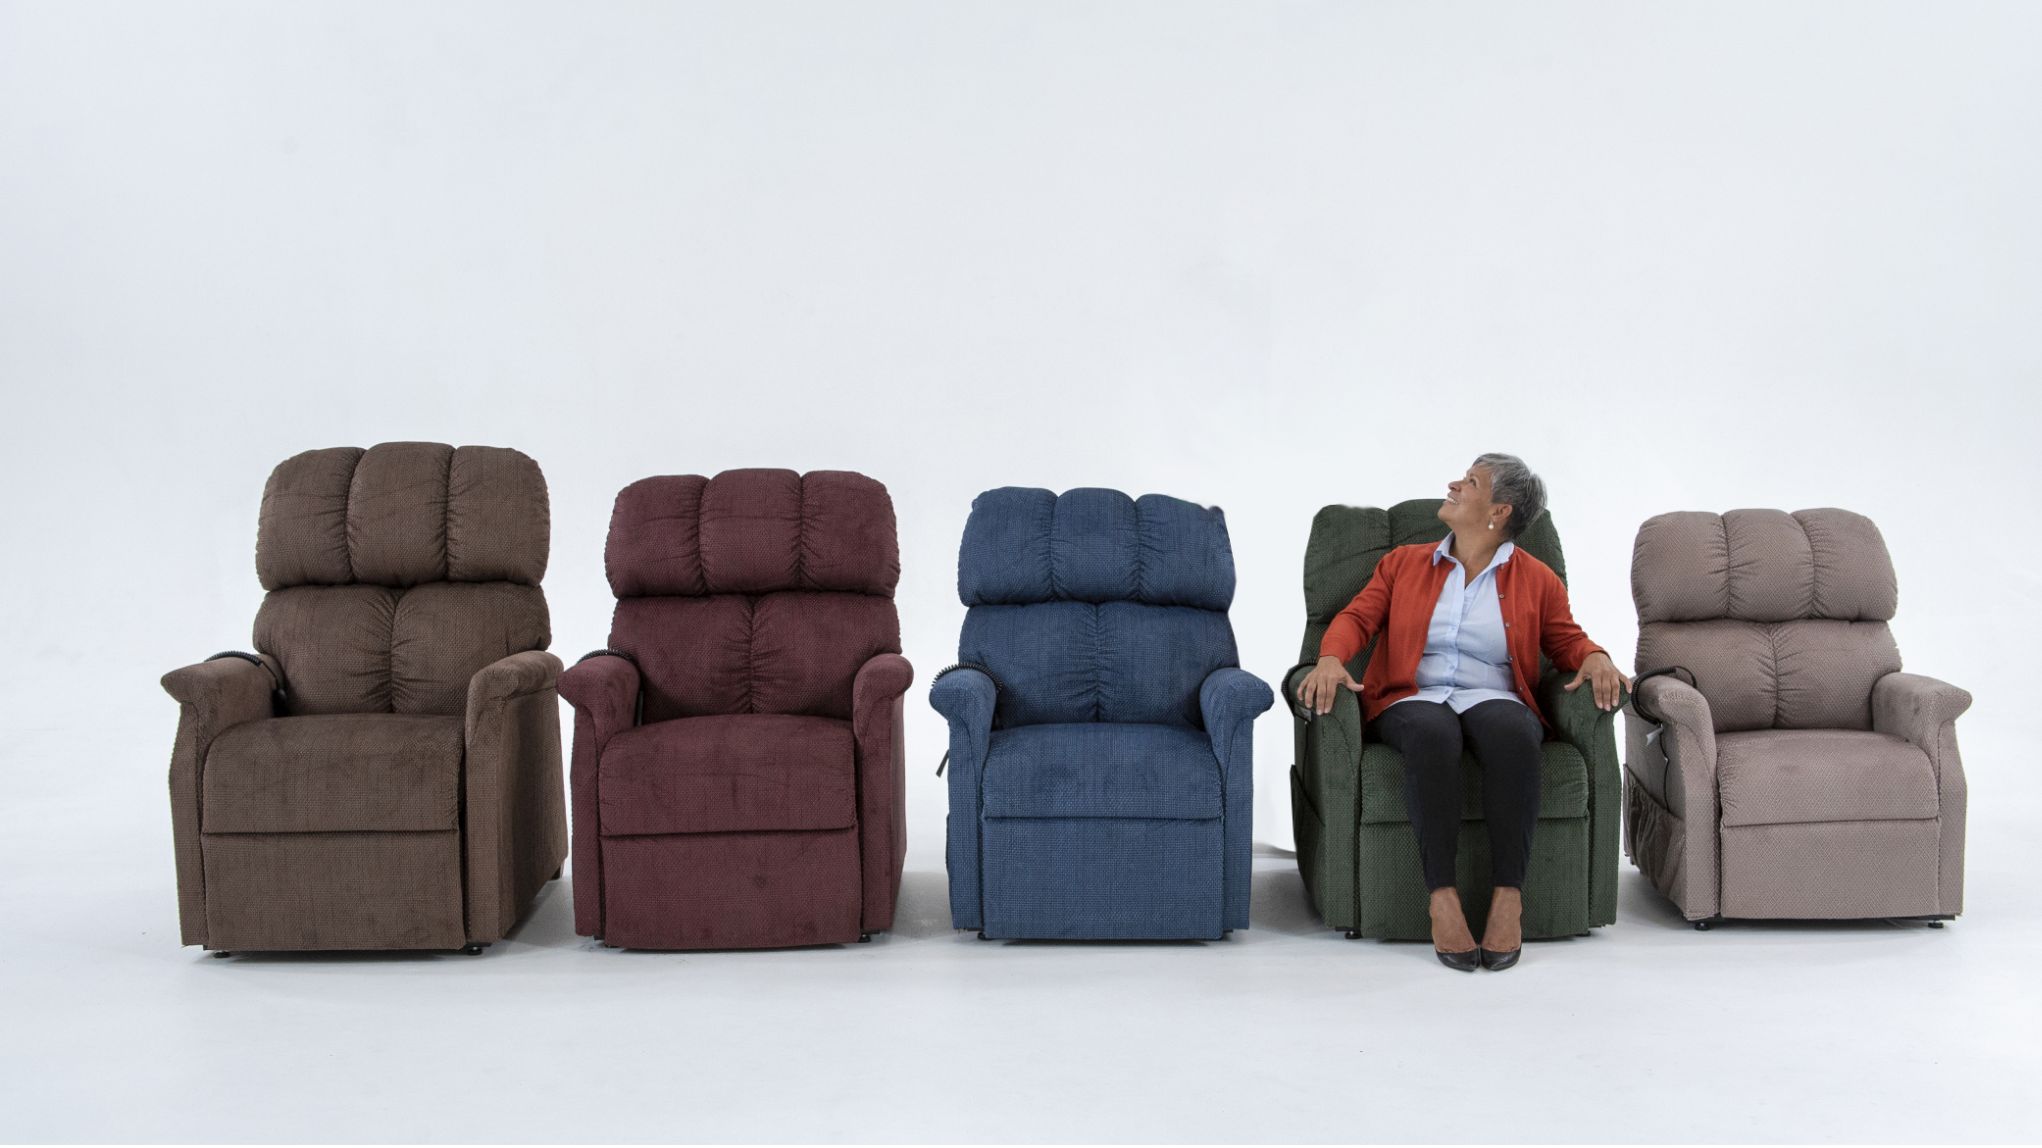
<point x="403" y="513"/>
<point x="1023" y="547"/>
<point x="791" y="652"/>
<point x="395" y="573"/>
<point x="1781" y="617"/>
<point x="403" y="789"/>
<point x="1784" y="783"/>
<point x="1107" y="662"/>
<point x="1101" y="779"/>
<point x="738" y="774"/>
<point x="756" y="591"/>
<point x="1094" y="606"/>
<point x="1762" y="566"/>
<point x="1356" y="849"/>
<point x="753" y="532"/>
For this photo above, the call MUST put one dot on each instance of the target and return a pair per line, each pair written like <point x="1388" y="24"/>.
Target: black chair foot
<point x="221" y="954"/>
<point x="556" y="873"/>
<point x="473" y="948"/>
<point x="1701" y="926"/>
<point x="1935" y="924"/>
<point x="864" y="938"/>
<point x="982" y="935"/>
<point x="1354" y="934"/>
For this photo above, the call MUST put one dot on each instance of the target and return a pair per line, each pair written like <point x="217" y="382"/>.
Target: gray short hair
<point x="1512" y="482"/>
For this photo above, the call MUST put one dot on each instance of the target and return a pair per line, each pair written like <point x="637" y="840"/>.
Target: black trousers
<point x="1504" y="737"/>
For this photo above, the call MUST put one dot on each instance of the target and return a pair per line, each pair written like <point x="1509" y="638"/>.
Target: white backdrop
<point x="1260" y="256"/>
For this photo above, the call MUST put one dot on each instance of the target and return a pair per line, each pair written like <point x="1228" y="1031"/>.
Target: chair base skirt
<point x="1378" y="890"/>
<point x="274" y="892"/>
<point x="1394" y="904"/>
<point x="1103" y="879"/>
<point x="731" y="890"/>
<point x="1805" y="871"/>
<point x="1838" y="870"/>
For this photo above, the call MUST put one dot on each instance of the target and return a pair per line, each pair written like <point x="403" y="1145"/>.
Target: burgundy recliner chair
<point x="738" y="779"/>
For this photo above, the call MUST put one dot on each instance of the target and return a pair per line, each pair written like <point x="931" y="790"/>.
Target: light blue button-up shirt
<point x="1467" y="659"/>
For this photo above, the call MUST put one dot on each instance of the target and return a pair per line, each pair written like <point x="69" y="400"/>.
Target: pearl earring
<point x="1492" y="526"/>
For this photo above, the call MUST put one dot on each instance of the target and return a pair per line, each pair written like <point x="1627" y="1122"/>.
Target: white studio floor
<point x="1646" y="1030"/>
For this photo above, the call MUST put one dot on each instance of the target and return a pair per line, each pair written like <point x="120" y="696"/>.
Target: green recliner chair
<point x="1356" y="848"/>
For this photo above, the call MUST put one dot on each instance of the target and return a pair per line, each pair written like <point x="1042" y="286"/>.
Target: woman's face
<point x="1468" y="510"/>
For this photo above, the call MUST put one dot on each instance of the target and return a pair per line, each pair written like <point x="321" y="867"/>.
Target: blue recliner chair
<point x="1101" y="729"/>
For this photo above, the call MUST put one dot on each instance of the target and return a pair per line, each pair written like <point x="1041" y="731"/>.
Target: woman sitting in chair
<point x="1462" y="626"/>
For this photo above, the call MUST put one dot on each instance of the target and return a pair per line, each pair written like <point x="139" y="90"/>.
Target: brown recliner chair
<point x="1797" y="773"/>
<point x="386" y="774"/>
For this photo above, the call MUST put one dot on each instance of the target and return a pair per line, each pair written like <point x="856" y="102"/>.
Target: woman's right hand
<point x="1324" y="683"/>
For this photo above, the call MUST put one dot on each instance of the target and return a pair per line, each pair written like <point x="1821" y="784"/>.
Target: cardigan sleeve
<point x="1564" y="641"/>
<point x="1361" y="619"/>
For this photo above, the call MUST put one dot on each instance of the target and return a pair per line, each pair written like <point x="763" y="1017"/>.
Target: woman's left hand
<point x="1603" y="677"/>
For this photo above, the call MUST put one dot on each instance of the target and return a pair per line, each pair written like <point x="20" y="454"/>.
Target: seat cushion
<point x="1563" y="784"/>
<point x="730" y="773"/>
<point x="335" y="773"/>
<point x="1788" y="776"/>
<point x="1102" y="769"/>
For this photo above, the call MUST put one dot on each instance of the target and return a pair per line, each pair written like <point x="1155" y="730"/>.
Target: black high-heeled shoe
<point x="1461" y="962"/>
<point x="1496" y="961"/>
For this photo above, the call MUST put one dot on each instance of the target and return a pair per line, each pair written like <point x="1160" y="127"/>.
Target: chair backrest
<point x="1093" y="606"/>
<point x="753" y="592"/>
<point x="395" y="573"/>
<point x="1780" y="617"/>
<point x="1348" y="541"/>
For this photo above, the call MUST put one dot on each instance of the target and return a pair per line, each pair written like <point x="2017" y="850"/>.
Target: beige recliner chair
<point x="1798" y="773"/>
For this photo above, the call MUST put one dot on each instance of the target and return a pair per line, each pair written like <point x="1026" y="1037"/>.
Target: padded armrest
<point x="1925" y="712"/>
<point x="1676" y="773"/>
<point x="514" y="819"/>
<point x="882" y="678"/>
<point x="1917" y="708"/>
<point x="1574" y="715"/>
<point x="1326" y="802"/>
<point x="1346" y="706"/>
<point x="965" y="697"/>
<point x="1683" y="706"/>
<point x="604" y="688"/>
<point x="212" y="696"/>
<point x="1292" y="679"/>
<point x="1229" y="701"/>
<point x="876" y="726"/>
<point x="1687" y="743"/>
<point x="225" y="692"/>
<point x="526" y="672"/>
<point x="1229" y="698"/>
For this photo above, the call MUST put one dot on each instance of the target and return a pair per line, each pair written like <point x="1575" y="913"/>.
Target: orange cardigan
<point x="1398" y="602"/>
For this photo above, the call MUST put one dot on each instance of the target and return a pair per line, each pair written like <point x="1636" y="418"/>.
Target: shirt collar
<point x="1445" y="550"/>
